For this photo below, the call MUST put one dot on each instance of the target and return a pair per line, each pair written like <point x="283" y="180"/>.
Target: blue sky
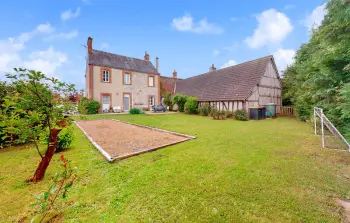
<point x="186" y="35"/>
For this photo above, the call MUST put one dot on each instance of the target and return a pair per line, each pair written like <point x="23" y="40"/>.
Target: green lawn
<point x="266" y="171"/>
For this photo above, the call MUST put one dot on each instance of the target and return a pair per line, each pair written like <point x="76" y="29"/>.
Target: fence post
<point x="315" y="121"/>
<point x="323" y="146"/>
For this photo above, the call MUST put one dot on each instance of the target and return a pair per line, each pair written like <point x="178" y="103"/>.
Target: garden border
<point x="111" y="159"/>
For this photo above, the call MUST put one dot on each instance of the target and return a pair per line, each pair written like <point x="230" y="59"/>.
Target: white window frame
<point x="105" y="76"/>
<point x="152" y="99"/>
<point x="151" y="83"/>
<point x="129" y="78"/>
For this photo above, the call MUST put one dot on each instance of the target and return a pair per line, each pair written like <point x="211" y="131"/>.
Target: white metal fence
<point x="331" y="137"/>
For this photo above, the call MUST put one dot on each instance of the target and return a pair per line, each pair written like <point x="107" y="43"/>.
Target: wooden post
<point x="315" y="122"/>
<point x="323" y="146"/>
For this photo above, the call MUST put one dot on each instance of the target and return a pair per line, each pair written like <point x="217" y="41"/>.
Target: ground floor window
<point x="151" y="100"/>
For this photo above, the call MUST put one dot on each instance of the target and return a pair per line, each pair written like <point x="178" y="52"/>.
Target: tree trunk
<point x="45" y="161"/>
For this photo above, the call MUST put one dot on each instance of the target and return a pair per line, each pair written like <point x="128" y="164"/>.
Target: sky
<point x="187" y="35"/>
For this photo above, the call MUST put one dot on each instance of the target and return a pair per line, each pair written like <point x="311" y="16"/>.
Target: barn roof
<point x="112" y="60"/>
<point x="231" y="83"/>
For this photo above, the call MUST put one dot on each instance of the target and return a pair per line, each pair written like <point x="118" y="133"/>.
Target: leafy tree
<point x="320" y="75"/>
<point x="180" y="100"/>
<point x="36" y="107"/>
<point x="167" y="99"/>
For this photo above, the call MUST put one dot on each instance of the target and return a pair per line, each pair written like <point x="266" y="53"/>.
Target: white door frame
<point x="130" y="100"/>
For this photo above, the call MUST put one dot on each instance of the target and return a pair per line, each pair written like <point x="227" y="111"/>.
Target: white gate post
<point x="315" y="121"/>
<point x="323" y="146"/>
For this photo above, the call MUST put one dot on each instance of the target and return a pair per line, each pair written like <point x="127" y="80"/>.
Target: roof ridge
<point x="209" y="72"/>
<point x="120" y="55"/>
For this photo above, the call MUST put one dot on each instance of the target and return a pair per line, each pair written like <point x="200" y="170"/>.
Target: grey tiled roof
<point x="101" y="58"/>
<point x="231" y="83"/>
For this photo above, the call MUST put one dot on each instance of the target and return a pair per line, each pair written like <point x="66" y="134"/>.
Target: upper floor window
<point x="105" y="76"/>
<point x="126" y="78"/>
<point x="150" y="81"/>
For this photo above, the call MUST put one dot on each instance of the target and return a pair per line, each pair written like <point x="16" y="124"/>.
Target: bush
<point x="136" y="111"/>
<point x="93" y="107"/>
<point x="216" y="114"/>
<point x="204" y="110"/>
<point x="229" y="114"/>
<point x="241" y="115"/>
<point x="180" y="101"/>
<point x="82" y="106"/>
<point x="65" y="139"/>
<point x="167" y="98"/>
<point x="191" y="105"/>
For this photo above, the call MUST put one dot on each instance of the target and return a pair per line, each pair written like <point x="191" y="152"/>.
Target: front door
<point x="127" y="102"/>
<point x="106" y="103"/>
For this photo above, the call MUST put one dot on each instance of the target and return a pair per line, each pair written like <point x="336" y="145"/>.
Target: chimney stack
<point x="175" y="74"/>
<point x="89" y="44"/>
<point x="212" y="68"/>
<point x="146" y="56"/>
<point x="157" y="64"/>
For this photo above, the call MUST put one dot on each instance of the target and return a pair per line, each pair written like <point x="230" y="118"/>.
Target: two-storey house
<point x="120" y="81"/>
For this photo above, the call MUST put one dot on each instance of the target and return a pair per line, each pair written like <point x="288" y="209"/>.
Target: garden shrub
<point x="136" y="111"/>
<point x="241" y="115"/>
<point x="180" y="101"/>
<point x="216" y="114"/>
<point x="82" y="106"/>
<point x="93" y="107"/>
<point x="167" y="98"/>
<point x="204" y="110"/>
<point x="229" y="114"/>
<point x="65" y="139"/>
<point x="191" y="105"/>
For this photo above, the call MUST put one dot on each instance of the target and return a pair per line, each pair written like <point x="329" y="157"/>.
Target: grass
<point x="266" y="171"/>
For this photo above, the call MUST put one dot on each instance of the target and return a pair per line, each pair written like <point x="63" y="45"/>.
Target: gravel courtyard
<point x="121" y="139"/>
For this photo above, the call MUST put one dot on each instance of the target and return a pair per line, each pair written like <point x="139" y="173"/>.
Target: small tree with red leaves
<point x="61" y="182"/>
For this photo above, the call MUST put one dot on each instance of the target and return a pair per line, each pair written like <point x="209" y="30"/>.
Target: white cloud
<point x="216" y="53"/>
<point x="67" y="15"/>
<point x="314" y="20"/>
<point x="283" y="58"/>
<point x="186" y="24"/>
<point x="273" y="27"/>
<point x="10" y="48"/>
<point x="289" y="6"/>
<point x="47" y="61"/>
<point x="59" y="36"/>
<point x="40" y="29"/>
<point x="229" y="64"/>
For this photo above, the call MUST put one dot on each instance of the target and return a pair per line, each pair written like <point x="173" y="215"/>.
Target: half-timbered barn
<point x="249" y="84"/>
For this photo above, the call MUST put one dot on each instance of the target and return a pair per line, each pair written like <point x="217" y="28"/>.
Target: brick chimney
<point x="157" y="64"/>
<point x="175" y="74"/>
<point x="146" y="56"/>
<point x="89" y="44"/>
<point x="212" y="68"/>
